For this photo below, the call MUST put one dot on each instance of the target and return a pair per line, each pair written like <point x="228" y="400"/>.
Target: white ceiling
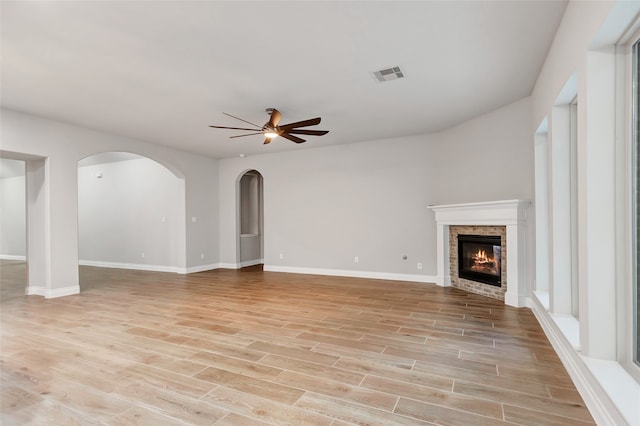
<point x="162" y="71"/>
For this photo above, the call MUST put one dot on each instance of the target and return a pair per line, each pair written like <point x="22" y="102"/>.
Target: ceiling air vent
<point x="388" y="74"/>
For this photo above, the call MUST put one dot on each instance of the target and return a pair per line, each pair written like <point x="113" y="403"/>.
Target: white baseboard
<point x="136" y="266"/>
<point x="223" y="266"/>
<point x="240" y="264"/>
<point x="251" y="263"/>
<point x="602" y="408"/>
<point x="201" y="268"/>
<point x="12" y="257"/>
<point x="352" y="274"/>
<point x="152" y="268"/>
<point x="50" y="293"/>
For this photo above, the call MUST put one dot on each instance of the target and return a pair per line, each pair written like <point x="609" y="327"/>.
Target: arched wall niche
<point x="249" y="218"/>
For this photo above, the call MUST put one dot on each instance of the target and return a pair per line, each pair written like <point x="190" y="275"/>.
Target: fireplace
<point x="480" y="258"/>
<point x="506" y="218"/>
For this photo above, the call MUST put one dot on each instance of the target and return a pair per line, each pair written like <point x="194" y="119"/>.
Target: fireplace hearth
<point x="479" y="258"/>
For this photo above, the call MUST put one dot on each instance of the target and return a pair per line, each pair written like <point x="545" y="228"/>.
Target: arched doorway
<point x="130" y="213"/>
<point x="250" y="218"/>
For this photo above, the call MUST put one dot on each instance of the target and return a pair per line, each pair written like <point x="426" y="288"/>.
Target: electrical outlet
<point x="194" y="219"/>
<point x="201" y="255"/>
<point x="356" y="259"/>
<point x="164" y="219"/>
<point x="281" y="256"/>
<point x="142" y="255"/>
<point x="419" y="265"/>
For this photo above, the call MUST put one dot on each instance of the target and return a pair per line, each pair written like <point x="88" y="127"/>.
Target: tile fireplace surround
<point x="508" y="213"/>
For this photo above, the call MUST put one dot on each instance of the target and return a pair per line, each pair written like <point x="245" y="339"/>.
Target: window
<point x="635" y="114"/>
<point x="573" y="204"/>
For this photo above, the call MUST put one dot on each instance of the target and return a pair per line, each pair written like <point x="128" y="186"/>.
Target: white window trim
<point x="626" y="280"/>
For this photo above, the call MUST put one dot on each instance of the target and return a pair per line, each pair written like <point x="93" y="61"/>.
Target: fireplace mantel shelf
<point x="508" y="213"/>
<point x="478" y="204"/>
<point x="505" y="212"/>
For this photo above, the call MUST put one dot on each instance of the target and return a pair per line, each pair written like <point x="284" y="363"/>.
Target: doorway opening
<point x="13" y="228"/>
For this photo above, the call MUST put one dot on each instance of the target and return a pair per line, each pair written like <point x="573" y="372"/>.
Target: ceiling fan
<point x="272" y="130"/>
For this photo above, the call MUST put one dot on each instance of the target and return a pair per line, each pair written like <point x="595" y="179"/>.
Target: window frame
<point x="630" y="356"/>
<point x="573" y="205"/>
<point x="634" y="85"/>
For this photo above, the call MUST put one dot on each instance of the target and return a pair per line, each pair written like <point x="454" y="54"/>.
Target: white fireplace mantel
<point x="508" y="213"/>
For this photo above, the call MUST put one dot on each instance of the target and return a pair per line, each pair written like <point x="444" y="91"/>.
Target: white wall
<point x="487" y="158"/>
<point x="325" y="206"/>
<point x="128" y="211"/>
<point x="12" y="218"/>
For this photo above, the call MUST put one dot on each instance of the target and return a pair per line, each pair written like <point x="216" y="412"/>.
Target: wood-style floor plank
<point x="172" y="404"/>
<point x="250" y="347"/>
<point x="441" y="415"/>
<point x="263" y="409"/>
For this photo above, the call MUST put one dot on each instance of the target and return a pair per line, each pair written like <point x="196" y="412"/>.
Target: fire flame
<point x="481" y="257"/>
<point x="484" y="263"/>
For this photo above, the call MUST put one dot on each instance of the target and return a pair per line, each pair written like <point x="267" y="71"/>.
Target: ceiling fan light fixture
<point x="272" y="130"/>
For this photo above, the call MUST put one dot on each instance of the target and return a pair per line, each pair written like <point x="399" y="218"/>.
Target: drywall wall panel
<point x="487" y="158"/>
<point x="324" y="207"/>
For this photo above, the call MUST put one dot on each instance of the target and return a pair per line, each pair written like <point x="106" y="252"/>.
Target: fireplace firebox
<point x="479" y="258"/>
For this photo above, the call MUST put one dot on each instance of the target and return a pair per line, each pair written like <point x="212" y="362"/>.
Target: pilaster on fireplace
<point x="508" y="213"/>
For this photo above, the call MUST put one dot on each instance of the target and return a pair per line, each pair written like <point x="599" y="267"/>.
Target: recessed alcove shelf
<point x="508" y="213"/>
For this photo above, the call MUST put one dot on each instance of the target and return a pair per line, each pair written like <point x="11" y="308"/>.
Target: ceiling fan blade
<point x="238" y="118"/>
<point x="266" y="141"/>
<point x="292" y="138"/>
<point x="233" y="128"/>
<point x="308" y="132"/>
<point x="303" y="123"/>
<point x="248" y="134"/>
<point x="275" y="118"/>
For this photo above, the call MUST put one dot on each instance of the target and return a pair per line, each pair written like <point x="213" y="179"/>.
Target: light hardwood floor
<point x="251" y="348"/>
